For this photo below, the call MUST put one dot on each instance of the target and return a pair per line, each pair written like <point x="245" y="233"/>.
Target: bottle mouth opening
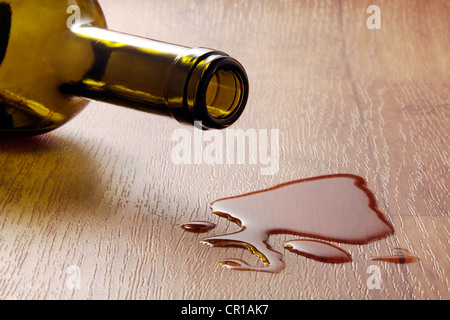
<point x="215" y="90"/>
<point x="224" y="93"/>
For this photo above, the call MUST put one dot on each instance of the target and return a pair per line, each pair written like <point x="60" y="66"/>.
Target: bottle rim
<point x="220" y="109"/>
<point x="233" y="94"/>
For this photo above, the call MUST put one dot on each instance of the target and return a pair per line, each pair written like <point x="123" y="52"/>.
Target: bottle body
<point x="40" y="55"/>
<point x="58" y="54"/>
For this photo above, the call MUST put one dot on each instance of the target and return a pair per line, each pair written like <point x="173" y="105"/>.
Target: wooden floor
<point x="93" y="210"/>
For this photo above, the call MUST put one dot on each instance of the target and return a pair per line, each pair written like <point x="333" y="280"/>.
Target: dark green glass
<point x="56" y="55"/>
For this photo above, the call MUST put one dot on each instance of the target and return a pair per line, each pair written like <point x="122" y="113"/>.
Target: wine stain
<point x="337" y="208"/>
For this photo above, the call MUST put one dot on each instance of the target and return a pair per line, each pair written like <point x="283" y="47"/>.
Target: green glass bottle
<point x="56" y="55"/>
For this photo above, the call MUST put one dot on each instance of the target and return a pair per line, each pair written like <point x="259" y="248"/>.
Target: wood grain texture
<point x="102" y="193"/>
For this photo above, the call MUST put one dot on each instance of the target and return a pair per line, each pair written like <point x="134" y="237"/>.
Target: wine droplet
<point x="198" y="226"/>
<point x="400" y="255"/>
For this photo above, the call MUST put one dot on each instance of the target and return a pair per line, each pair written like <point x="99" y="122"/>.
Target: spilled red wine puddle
<point x="336" y="208"/>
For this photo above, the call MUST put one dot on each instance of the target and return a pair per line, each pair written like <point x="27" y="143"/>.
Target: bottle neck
<point x="189" y="84"/>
